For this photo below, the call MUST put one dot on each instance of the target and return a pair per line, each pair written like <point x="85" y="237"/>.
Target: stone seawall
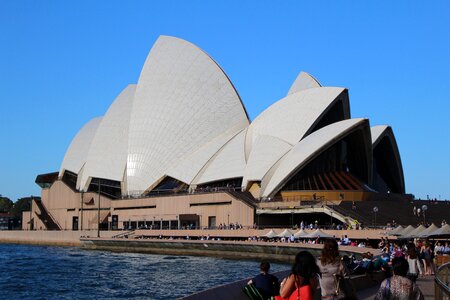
<point x="281" y="252"/>
<point x="51" y="238"/>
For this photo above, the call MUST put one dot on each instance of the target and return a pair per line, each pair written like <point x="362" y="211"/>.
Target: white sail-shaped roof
<point x="306" y="150"/>
<point x="291" y="118"/>
<point x="302" y="82"/>
<point x="188" y="168"/>
<point x="228" y="163"/>
<point x="378" y="133"/>
<point x="183" y="100"/>
<point x="78" y="150"/>
<point x="266" y="151"/>
<point x="107" y="155"/>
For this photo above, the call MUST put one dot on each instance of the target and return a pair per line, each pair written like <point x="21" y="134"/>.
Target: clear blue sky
<point x="63" y="63"/>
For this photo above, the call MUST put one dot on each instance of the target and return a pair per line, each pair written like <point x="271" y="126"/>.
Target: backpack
<point x="252" y="292"/>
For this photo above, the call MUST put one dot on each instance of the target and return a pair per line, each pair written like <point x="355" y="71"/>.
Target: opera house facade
<point x="178" y="149"/>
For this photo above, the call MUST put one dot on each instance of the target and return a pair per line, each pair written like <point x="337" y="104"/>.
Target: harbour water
<point x="41" y="272"/>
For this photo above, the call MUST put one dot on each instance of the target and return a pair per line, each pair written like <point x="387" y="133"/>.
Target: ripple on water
<point x="36" y="272"/>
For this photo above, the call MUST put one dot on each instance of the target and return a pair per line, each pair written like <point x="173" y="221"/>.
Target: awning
<point x="270" y="234"/>
<point x="319" y="234"/>
<point x="286" y="233"/>
<point x="429" y="230"/>
<point x="300" y="234"/>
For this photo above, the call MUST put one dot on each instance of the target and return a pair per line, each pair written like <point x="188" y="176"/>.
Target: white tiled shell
<point x="302" y="82"/>
<point x="77" y="152"/>
<point x="266" y="151"/>
<point x="228" y="163"/>
<point x="308" y="148"/>
<point x="377" y="133"/>
<point x="107" y="155"/>
<point x="183" y="100"/>
<point x="290" y="118"/>
<point x="188" y="168"/>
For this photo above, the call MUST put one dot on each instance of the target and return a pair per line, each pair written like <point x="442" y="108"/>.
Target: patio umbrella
<point x="405" y="231"/>
<point x="285" y="233"/>
<point x="396" y="230"/>
<point x="429" y="230"/>
<point x="414" y="233"/>
<point x="444" y="230"/>
<point x="270" y="234"/>
<point x="318" y="233"/>
<point x="300" y="234"/>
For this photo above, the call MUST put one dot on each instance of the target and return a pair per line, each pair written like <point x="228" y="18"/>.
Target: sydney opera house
<point x="178" y="149"/>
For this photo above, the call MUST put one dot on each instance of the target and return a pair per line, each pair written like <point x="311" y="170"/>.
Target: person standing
<point x="267" y="284"/>
<point x="330" y="266"/>
<point x="413" y="263"/>
<point x="398" y="286"/>
<point x="302" y="282"/>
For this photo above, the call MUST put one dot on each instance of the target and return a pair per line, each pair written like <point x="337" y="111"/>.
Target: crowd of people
<point x="401" y="264"/>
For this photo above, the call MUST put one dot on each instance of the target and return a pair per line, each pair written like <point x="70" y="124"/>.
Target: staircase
<point x="393" y="207"/>
<point x="45" y="217"/>
<point x="352" y="214"/>
<point x="246" y="197"/>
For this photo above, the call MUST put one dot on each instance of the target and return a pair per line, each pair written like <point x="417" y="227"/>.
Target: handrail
<point x="441" y="284"/>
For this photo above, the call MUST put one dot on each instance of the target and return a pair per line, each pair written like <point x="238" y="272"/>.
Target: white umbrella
<point x="318" y="233"/>
<point x="270" y="234"/>
<point x="429" y="230"/>
<point x="444" y="230"/>
<point x="396" y="230"/>
<point x="285" y="233"/>
<point x="414" y="233"/>
<point x="300" y="234"/>
<point x="405" y="231"/>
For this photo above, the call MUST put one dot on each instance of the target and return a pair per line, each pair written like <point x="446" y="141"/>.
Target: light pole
<point x="375" y="210"/>
<point x="424" y="209"/>
<point x="292" y="219"/>
<point x="81" y="216"/>
<point x="331" y="219"/>
<point x="258" y="219"/>
<point x="31" y="212"/>
<point x="98" y="210"/>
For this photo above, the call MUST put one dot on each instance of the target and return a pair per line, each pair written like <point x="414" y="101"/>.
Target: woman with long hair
<point x="413" y="263"/>
<point x="303" y="280"/>
<point x="425" y="254"/>
<point x="330" y="266"/>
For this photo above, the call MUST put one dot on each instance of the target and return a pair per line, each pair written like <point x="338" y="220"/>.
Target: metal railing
<point x="441" y="283"/>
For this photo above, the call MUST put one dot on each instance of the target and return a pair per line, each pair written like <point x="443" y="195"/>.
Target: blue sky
<point x="63" y="63"/>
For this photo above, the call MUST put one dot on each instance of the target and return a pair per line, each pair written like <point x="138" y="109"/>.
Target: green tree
<point x="23" y="204"/>
<point x="5" y="204"/>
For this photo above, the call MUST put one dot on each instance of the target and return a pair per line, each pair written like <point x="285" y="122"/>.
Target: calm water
<point x="34" y="272"/>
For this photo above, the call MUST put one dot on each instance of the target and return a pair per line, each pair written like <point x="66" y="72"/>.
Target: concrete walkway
<point x="426" y="285"/>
